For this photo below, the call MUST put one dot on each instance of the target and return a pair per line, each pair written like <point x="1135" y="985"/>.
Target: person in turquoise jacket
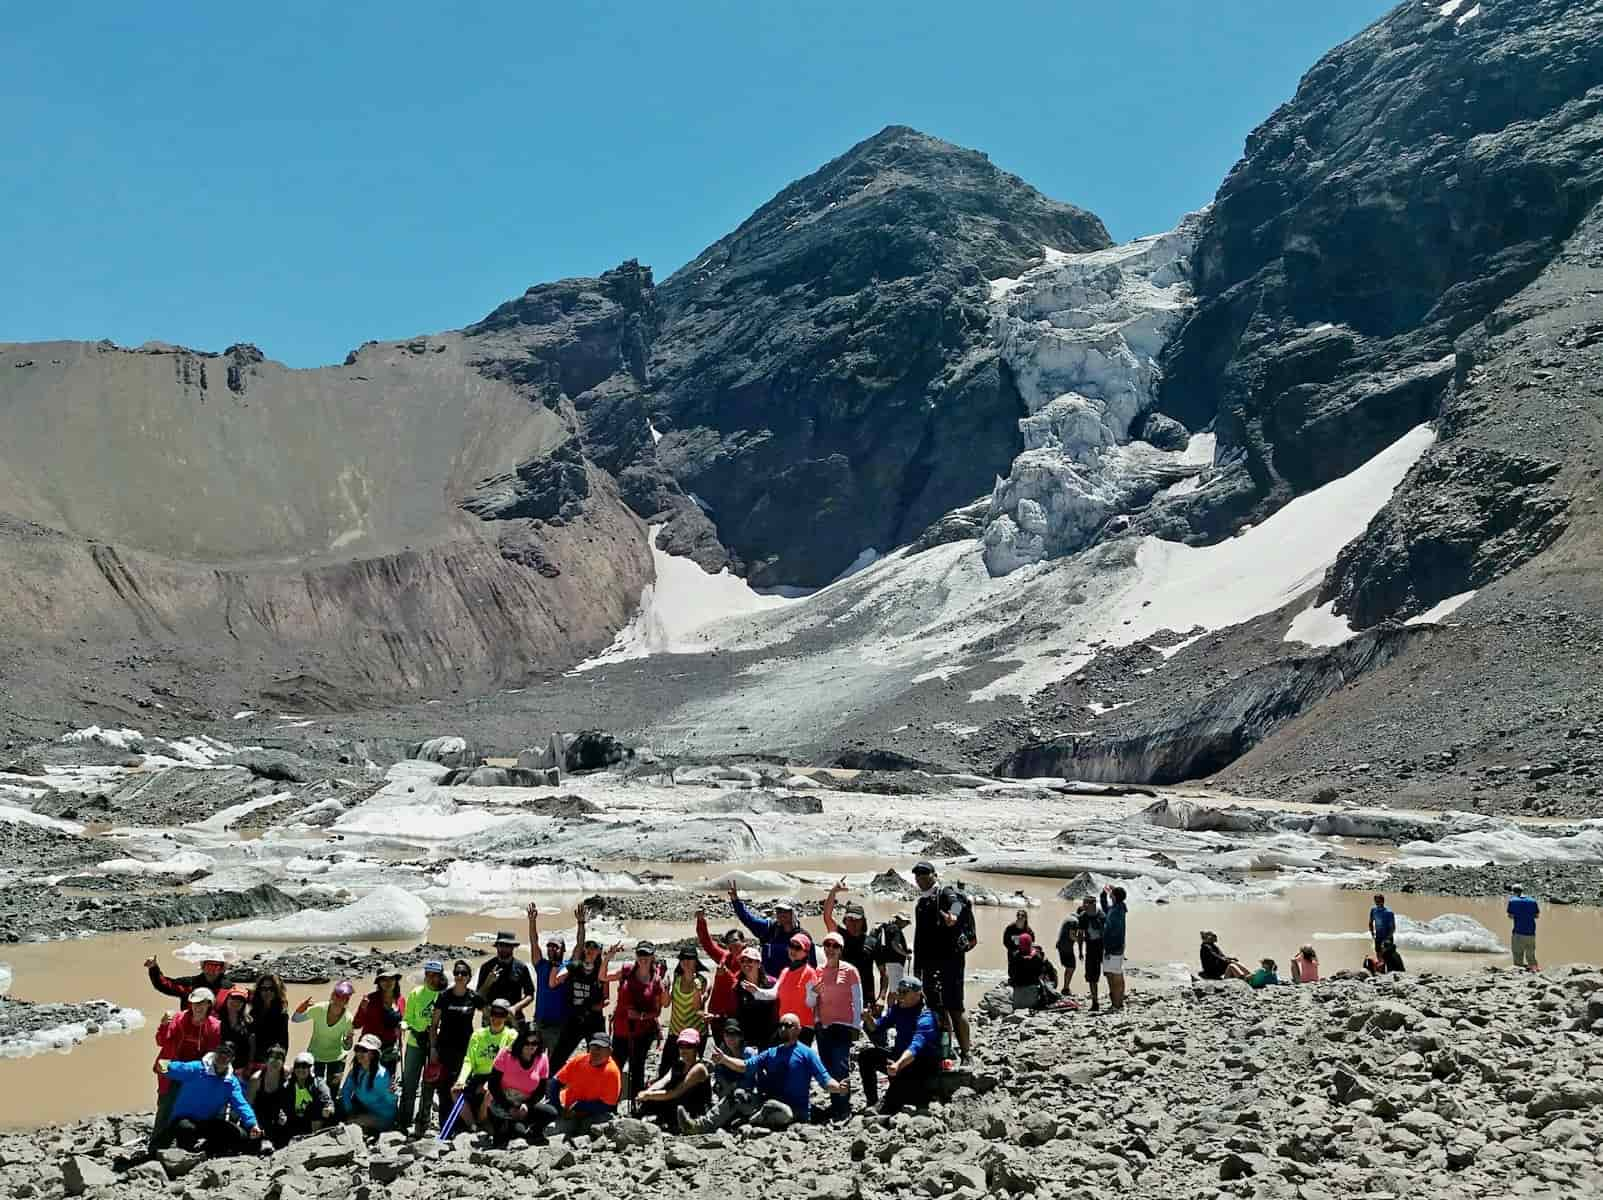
<point x="367" y="1098"/>
<point x="208" y="1091"/>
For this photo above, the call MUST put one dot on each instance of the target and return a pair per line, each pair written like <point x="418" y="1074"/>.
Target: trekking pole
<point x="450" y="1121"/>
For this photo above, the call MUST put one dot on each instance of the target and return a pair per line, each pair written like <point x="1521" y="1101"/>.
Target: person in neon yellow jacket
<point x="417" y="1018"/>
<point x="483" y="1048"/>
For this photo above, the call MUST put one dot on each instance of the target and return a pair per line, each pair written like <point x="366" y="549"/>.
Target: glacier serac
<point x="1082" y="334"/>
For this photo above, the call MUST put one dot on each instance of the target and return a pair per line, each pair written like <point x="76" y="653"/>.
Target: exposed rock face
<point x="1424" y="172"/>
<point x="822" y="379"/>
<point x="1082" y="334"/>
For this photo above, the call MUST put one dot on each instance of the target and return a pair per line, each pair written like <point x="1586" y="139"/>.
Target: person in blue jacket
<point x="781" y="1082"/>
<point x="911" y="1061"/>
<point x="774" y="935"/>
<point x="368" y="1098"/>
<point x="208" y="1091"/>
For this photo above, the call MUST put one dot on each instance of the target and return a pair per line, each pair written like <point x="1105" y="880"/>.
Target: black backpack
<point x="966" y="934"/>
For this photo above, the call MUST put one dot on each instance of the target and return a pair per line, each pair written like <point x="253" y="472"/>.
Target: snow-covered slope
<point x="1083" y="333"/>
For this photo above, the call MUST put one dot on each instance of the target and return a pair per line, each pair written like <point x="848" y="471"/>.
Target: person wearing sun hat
<point x="506" y="976"/>
<point x="687" y="1004"/>
<point x="380" y="1014"/>
<point x="368" y="1097"/>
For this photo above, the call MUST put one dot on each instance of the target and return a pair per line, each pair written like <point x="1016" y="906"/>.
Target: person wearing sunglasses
<point x="267" y="1018"/>
<point x="455" y="1013"/>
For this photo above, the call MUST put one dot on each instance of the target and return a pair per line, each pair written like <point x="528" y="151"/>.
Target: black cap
<point x="923" y="868"/>
<point x="507" y="938"/>
<point x="646" y="948"/>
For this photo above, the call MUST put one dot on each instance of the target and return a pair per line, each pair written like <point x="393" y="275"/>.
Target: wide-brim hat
<point x="506" y="938"/>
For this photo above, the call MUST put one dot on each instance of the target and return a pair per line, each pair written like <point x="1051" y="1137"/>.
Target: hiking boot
<point x="685" y="1122"/>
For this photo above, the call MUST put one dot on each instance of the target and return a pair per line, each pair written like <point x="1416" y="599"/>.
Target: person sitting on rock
<point x="484" y="1047"/>
<point x="726" y="1079"/>
<point x="1031" y="975"/>
<point x="368" y="1097"/>
<point x="773" y="936"/>
<point x="212" y="977"/>
<point x="267" y="1089"/>
<point x="1390" y="956"/>
<point x="686" y="1084"/>
<point x="1305" y="966"/>
<point x="587" y="1088"/>
<point x="518" y="1086"/>
<point x="913" y="1060"/>
<point x="1216" y="964"/>
<point x="311" y="1104"/>
<point x="780" y="1088"/>
<point x="1268" y="973"/>
<point x="207" y="1092"/>
<point x="333" y="1032"/>
<point x="725" y="954"/>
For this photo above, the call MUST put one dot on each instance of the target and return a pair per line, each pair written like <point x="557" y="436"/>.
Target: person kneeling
<point x="208" y="1091"/>
<point x="1032" y="975"/>
<point x="518" y="1083"/>
<point x="587" y="1088"/>
<point x="368" y="1096"/>
<point x="687" y="1084"/>
<point x="310" y="1105"/>
<point x="913" y="1060"/>
<point x="781" y="1090"/>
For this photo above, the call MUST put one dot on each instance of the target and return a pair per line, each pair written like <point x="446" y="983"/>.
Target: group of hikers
<point x="521" y="1049"/>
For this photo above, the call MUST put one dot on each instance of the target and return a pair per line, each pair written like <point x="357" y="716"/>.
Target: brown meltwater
<point x="111" y="1073"/>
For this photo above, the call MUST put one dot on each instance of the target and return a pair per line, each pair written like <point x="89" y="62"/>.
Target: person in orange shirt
<point x="587" y="1088"/>
<point x="791" y="990"/>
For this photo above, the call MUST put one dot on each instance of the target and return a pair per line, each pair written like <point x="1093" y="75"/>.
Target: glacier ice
<point x="1082" y="334"/>
<point x="385" y="914"/>
<point x="1450" y="933"/>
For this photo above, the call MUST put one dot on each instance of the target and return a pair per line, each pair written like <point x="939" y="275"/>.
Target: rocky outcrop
<point x="1203" y="736"/>
<point x="1425" y="171"/>
<point x="34" y="913"/>
<point x="822" y="379"/>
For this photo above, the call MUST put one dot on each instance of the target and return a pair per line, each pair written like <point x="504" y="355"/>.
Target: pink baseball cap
<point x="689" y="1037"/>
<point x="343" y="988"/>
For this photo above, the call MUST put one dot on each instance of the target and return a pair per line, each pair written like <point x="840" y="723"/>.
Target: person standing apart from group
<point x="1382" y="925"/>
<point x="942" y="936"/>
<point x="1523" y="911"/>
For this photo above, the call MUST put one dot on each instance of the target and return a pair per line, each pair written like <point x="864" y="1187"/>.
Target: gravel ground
<point x="1422" y="1086"/>
<point x="1553" y="883"/>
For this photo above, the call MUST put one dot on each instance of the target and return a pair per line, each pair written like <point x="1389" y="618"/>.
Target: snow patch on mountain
<point x="1082" y="333"/>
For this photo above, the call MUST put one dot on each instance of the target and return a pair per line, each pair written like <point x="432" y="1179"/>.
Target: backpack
<point x="966" y="935"/>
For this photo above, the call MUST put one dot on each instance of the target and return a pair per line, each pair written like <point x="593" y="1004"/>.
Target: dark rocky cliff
<point x="821" y="378"/>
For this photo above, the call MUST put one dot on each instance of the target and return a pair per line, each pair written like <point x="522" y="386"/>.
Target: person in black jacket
<point x="1216" y="964"/>
<point x="506" y="976"/>
<point x="213" y="975"/>
<point x="268" y="1018"/>
<point x="1069" y="938"/>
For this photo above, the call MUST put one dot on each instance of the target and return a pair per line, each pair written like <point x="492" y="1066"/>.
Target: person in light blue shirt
<point x="1523" y="911"/>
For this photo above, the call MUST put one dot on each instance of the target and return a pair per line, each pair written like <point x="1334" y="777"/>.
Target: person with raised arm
<point x="773" y="936"/>
<point x="721" y="999"/>
<point x="859" y="945"/>
<point x="551" y="999"/>
<point x="333" y="1032"/>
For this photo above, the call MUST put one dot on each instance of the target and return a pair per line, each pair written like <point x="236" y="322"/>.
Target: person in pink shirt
<point x="1305" y="966"/>
<point x="836" y="996"/>
<point x="518" y="1107"/>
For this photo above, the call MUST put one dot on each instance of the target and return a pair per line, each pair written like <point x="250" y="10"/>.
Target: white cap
<point x="203" y="993"/>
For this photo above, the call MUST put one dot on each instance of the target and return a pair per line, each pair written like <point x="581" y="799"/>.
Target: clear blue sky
<point x="307" y="176"/>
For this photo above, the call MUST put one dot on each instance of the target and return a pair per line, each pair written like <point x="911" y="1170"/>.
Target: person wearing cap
<point x="794" y="985"/>
<point x="773" y="936"/>
<point x="473" y="1077"/>
<point x="725" y="954"/>
<point x="779" y="1087"/>
<point x="1214" y="962"/>
<point x="455" y="1012"/>
<point x="213" y="977"/>
<point x="687" y="1005"/>
<point x="333" y="1032"/>
<point x="206" y="1093"/>
<point x="550" y="997"/>
<point x="891" y="953"/>
<point x="913" y="1058"/>
<point x="184" y="1036"/>
<point x="588" y="1087"/>
<point x="637" y="1017"/>
<point x="234" y="1017"/>
<point x="368" y="1097"/>
<point x="518" y="1085"/>
<point x="685" y="1083"/>
<point x="1091" y="925"/>
<point x="836" y="996"/>
<point x="584" y="978"/>
<point x="756" y="999"/>
<point x="1068" y="944"/>
<point x="942" y="916"/>
<point x="1523" y="912"/>
<point x="1114" y="913"/>
<point x="732" y="1045"/>
<point x="857" y="942"/>
<point x="506" y="976"/>
<point x="311" y="1103"/>
<point x="267" y="1015"/>
<point x="419" y="1022"/>
<point x="380" y="1014"/>
<point x="1030" y="974"/>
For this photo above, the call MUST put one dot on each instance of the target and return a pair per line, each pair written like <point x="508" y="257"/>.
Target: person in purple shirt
<point x="1523" y="911"/>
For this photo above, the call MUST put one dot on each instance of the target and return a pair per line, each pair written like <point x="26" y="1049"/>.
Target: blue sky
<point x="308" y="176"/>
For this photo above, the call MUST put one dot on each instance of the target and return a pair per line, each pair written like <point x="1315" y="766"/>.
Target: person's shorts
<point x="1093" y="964"/>
<point x="1068" y="961"/>
<point x="943" y="984"/>
<point x="1524" y="946"/>
<point x="1113" y="964"/>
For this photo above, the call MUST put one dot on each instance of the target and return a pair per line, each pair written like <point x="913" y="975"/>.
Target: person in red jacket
<point x="721" y="1000"/>
<point x="189" y="1035"/>
<point x="212" y="977"/>
<point x="636" y="1021"/>
<point x="380" y="1014"/>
